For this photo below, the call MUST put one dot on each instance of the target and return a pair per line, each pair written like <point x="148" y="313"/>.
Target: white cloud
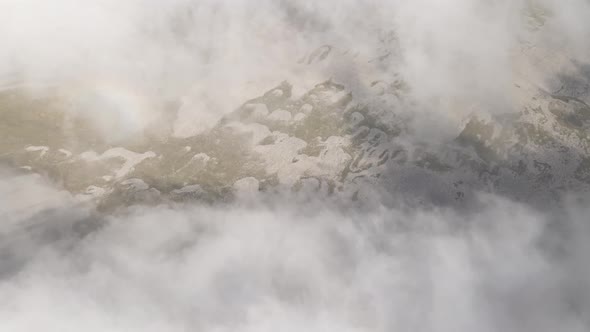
<point x="261" y="267"/>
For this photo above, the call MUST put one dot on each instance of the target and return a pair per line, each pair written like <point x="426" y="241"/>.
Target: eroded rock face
<point x="323" y="141"/>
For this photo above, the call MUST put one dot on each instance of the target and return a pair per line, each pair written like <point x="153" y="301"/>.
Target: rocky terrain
<point x="323" y="141"/>
<point x="352" y="136"/>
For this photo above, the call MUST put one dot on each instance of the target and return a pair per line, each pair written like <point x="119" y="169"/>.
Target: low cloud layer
<point x="263" y="268"/>
<point x="455" y="55"/>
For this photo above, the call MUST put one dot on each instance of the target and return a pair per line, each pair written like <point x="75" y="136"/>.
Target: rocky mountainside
<point x="353" y="136"/>
<point x="323" y="141"/>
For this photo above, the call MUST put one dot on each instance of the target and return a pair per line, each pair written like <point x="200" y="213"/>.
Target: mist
<point x="383" y="254"/>
<point x="456" y="56"/>
<point x="266" y="267"/>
